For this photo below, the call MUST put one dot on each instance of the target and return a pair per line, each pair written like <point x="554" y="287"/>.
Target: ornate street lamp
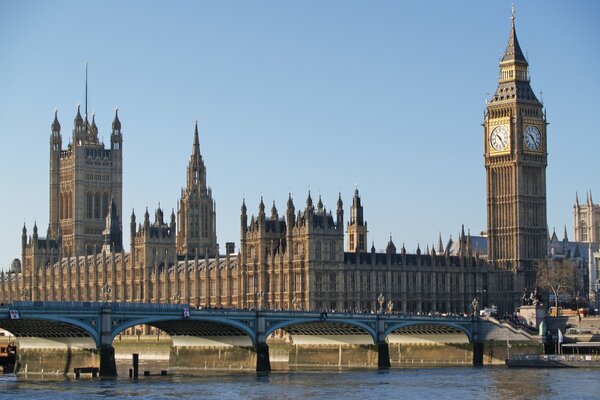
<point x="176" y="298"/>
<point x="475" y="305"/>
<point x="390" y="307"/>
<point x="106" y="289"/>
<point x="259" y="297"/>
<point x="25" y="294"/>
<point x="381" y="300"/>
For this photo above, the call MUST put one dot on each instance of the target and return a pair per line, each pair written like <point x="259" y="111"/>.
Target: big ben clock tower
<point x="515" y="161"/>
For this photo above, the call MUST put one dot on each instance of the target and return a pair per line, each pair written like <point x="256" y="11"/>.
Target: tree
<point x="557" y="276"/>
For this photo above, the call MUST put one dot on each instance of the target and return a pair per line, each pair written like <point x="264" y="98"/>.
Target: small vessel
<point x="8" y="357"/>
<point x="553" y="361"/>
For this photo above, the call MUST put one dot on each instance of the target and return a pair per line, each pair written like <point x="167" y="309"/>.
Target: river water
<point x="458" y="383"/>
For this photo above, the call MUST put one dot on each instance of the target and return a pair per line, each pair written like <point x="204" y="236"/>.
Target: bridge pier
<point x="383" y="349"/>
<point x="263" y="363"/>
<point x="478" y="354"/>
<point x="108" y="365"/>
<point x="383" y="355"/>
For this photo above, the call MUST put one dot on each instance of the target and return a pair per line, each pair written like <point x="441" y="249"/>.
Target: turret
<point x="274" y="214"/>
<point x="116" y="138"/>
<point x="290" y="213"/>
<point x="172" y="225"/>
<point x="244" y="218"/>
<point x="357" y="227"/>
<point x="390" y="248"/>
<point x="146" y="219"/>
<point x="340" y="212"/>
<point x="78" y="128"/>
<point x="261" y="212"/>
<point x="320" y="206"/>
<point x="132" y="224"/>
<point x="93" y="132"/>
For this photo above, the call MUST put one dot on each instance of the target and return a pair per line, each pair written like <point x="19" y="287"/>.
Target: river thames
<point x="460" y="383"/>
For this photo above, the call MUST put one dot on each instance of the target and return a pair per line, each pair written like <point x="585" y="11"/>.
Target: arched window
<point x="318" y="250"/>
<point x="89" y="205"/>
<point x="97" y="205"/>
<point x="332" y="250"/>
<point x="104" y="205"/>
<point x="69" y="205"/>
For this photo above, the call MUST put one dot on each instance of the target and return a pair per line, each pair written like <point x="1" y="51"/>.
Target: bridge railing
<point x="165" y="307"/>
<point x="83" y="305"/>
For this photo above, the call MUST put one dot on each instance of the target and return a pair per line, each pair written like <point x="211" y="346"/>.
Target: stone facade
<point x="83" y="179"/>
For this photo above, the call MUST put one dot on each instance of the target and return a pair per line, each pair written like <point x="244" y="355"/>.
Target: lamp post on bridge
<point x="295" y="303"/>
<point x="25" y="294"/>
<point x="259" y="297"/>
<point x="176" y="298"/>
<point x="381" y="300"/>
<point x="106" y="289"/>
<point x="390" y="306"/>
<point x="475" y="306"/>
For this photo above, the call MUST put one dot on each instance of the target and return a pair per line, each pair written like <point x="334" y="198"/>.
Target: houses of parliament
<point x="302" y="257"/>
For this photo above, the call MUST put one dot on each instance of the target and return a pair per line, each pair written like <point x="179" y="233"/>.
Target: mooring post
<point x="263" y="363"/>
<point x="136" y="365"/>
<point x="108" y="365"/>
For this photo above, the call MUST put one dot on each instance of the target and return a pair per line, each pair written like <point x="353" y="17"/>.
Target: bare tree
<point x="557" y="276"/>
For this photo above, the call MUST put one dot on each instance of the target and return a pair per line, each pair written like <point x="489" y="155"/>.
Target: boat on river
<point x="553" y="361"/>
<point x="8" y="356"/>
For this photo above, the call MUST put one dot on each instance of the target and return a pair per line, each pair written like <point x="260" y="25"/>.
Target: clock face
<point x="499" y="138"/>
<point x="533" y="137"/>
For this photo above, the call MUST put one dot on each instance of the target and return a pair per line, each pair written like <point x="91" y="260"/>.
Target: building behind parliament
<point x="305" y="258"/>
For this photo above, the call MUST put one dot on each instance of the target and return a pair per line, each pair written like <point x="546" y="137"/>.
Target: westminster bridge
<point x="101" y="322"/>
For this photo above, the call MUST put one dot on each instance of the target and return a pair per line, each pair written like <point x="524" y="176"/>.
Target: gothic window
<point x="332" y="250"/>
<point x="67" y="205"/>
<point x="361" y="241"/>
<point x="89" y="205"/>
<point x="204" y="221"/>
<point x="97" y="205"/>
<point x="584" y="231"/>
<point x="352" y="241"/>
<point x="332" y="282"/>
<point x="319" y="281"/>
<point x="104" y="205"/>
<point x="63" y="206"/>
<point x="318" y="250"/>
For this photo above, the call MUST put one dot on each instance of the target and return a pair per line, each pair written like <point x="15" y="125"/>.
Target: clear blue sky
<point x="386" y="95"/>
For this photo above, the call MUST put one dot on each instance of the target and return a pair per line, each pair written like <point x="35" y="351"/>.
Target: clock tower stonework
<point x="515" y="152"/>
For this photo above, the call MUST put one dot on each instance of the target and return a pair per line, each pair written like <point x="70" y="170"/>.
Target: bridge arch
<point x="48" y="326"/>
<point x="391" y="328"/>
<point x="173" y="325"/>
<point x="325" y="323"/>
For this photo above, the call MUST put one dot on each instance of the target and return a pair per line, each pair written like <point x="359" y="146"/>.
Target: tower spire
<point x="196" y="149"/>
<point x="86" y="88"/>
<point x="513" y="51"/>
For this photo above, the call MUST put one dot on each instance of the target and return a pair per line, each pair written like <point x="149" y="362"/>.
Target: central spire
<point x="196" y="148"/>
